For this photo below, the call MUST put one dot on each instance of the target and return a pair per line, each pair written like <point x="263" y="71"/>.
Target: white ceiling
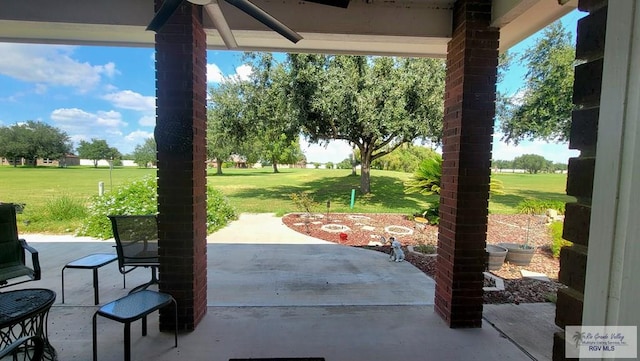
<point x="399" y="27"/>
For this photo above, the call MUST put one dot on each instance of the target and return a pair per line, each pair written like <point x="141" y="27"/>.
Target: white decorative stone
<point x="335" y="228"/>
<point x="311" y="215"/>
<point x="535" y="275"/>
<point x="368" y="228"/>
<point x="497" y="280"/>
<point x="356" y="217"/>
<point x="399" y="230"/>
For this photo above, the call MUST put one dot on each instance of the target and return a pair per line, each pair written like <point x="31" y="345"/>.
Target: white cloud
<point x="40" y="89"/>
<point x="558" y="153"/>
<point x="128" y="99"/>
<point x="147" y="121"/>
<point x="243" y="72"/>
<point x="336" y="151"/>
<point x="51" y="65"/>
<point x="107" y="125"/>
<point x="138" y="137"/>
<point x="76" y="138"/>
<point x="74" y="121"/>
<point x="214" y="74"/>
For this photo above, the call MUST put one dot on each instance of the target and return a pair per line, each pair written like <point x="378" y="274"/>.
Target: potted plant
<point x="520" y="254"/>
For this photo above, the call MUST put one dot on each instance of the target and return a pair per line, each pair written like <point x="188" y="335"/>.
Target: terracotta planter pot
<point x="518" y="254"/>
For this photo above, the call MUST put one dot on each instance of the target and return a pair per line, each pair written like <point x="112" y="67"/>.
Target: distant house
<point x="238" y="161"/>
<point x="67" y="160"/>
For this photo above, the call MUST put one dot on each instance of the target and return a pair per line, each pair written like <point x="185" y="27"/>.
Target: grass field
<point x="518" y="187"/>
<point x="264" y="191"/>
<point x="260" y="190"/>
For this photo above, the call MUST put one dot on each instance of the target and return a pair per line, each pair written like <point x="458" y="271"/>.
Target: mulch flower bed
<point x="367" y="230"/>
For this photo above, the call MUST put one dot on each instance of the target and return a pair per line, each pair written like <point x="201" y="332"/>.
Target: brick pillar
<point x="583" y="137"/>
<point x="180" y="135"/>
<point x="470" y="93"/>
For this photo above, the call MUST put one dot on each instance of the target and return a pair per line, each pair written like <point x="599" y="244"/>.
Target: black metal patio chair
<point x="13" y="267"/>
<point x="136" y="239"/>
<point x="25" y="348"/>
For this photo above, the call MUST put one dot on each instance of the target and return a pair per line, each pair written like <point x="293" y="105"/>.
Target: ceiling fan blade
<point x="166" y="10"/>
<point x="338" y="3"/>
<point x="268" y="20"/>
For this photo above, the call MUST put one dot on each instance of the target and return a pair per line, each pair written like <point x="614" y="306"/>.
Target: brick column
<point x="584" y="129"/>
<point x="180" y="135"/>
<point x="470" y="93"/>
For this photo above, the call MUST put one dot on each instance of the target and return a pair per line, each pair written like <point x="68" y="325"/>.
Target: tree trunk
<point x="219" y="166"/>
<point x="275" y="168"/>
<point x="95" y="163"/>
<point x="365" y="170"/>
<point x="353" y="163"/>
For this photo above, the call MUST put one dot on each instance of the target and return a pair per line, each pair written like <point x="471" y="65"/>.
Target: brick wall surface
<point x="467" y="135"/>
<point x="180" y="137"/>
<point x="584" y="129"/>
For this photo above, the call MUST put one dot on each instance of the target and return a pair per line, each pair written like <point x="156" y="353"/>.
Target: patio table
<point x="25" y="313"/>
<point x="92" y="262"/>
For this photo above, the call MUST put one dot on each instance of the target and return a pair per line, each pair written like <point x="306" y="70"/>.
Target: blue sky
<point x="109" y="93"/>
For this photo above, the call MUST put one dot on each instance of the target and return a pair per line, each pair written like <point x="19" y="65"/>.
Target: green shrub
<point x="536" y="206"/>
<point x="137" y="197"/>
<point x="62" y="208"/>
<point x="329" y="165"/>
<point x="344" y="164"/>
<point x="427" y="177"/>
<point x="432" y="213"/>
<point x="557" y="241"/>
<point x="219" y="211"/>
<point x="551" y="297"/>
<point x="141" y="197"/>
<point x="304" y="202"/>
<point x="425" y="248"/>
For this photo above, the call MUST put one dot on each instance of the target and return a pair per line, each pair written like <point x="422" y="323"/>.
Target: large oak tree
<point x="227" y="131"/>
<point x="269" y="108"/>
<point x="96" y="150"/>
<point x="375" y="103"/>
<point x="32" y="140"/>
<point x="541" y="109"/>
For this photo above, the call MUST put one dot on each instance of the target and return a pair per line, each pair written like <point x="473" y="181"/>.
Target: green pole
<point x="353" y="197"/>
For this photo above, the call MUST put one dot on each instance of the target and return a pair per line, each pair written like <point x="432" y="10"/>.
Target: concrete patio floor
<point x="272" y="293"/>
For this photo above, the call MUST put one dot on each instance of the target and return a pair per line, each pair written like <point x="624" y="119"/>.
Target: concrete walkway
<point x="272" y="293"/>
<point x="530" y="325"/>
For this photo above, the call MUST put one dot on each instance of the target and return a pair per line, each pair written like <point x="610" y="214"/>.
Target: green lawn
<point x="518" y="187"/>
<point x="260" y="190"/>
<point x="35" y="186"/>
<point x="38" y="186"/>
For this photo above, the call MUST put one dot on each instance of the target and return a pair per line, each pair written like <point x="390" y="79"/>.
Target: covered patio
<point x="600" y="265"/>
<point x="273" y="294"/>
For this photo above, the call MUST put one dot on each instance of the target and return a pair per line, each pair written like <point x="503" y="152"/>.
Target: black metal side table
<point x="92" y="262"/>
<point x="25" y="313"/>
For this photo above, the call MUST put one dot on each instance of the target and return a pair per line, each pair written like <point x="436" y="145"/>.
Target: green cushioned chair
<point x="13" y="268"/>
